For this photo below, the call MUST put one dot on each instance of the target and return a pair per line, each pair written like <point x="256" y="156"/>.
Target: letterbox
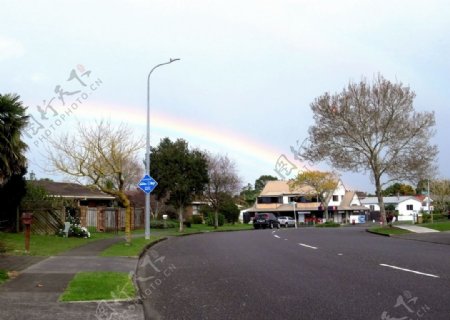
<point x="27" y="218"/>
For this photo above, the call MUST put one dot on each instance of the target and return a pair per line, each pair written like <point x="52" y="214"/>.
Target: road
<point x="307" y="273"/>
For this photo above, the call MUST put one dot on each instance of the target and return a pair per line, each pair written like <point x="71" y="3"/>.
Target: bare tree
<point x="101" y="155"/>
<point x="323" y="183"/>
<point x="373" y="128"/>
<point x="223" y="180"/>
<point x="440" y="189"/>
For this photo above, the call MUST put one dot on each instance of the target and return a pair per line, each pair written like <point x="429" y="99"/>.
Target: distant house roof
<point x="279" y="188"/>
<point x="388" y="200"/>
<point x="72" y="190"/>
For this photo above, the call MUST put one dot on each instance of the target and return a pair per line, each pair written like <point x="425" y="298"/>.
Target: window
<point x="268" y="200"/>
<point x="409" y="207"/>
<point x="335" y="198"/>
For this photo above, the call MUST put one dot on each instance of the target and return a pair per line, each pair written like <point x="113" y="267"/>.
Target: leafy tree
<point x="324" y="184"/>
<point x="373" y="128"/>
<point x="422" y="186"/>
<point x="104" y="156"/>
<point x="12" y="122"/>
<point x="181" y="173"/>
<point x="399" y="189"/>
<point x="11" y="194"/>
<point x="440" y="189"/>
<point x="248" y="195"/>
<point x="223" y="182"/>
<point x="229" y="209"/>
<point x="260" y="183"/>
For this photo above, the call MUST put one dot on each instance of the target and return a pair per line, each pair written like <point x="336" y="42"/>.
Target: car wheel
<point x="271" y="225"/>
<point x="287" y="225"/>
<point x="278" y="226"/>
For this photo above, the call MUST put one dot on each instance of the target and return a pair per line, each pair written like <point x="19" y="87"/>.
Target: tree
<point x="248" y="195"/>
<point x="440" y="189"/>
<point x="399" y="189"/>
<point x="229" y="209"/>
<point x="102" y="155"/>
<point x="260" y="183"/>
<point x="12" y="122"/>
<point x="323" y="183"/>
<point x="181" y="173"/>
<point x="373" y="128"/>
<point x="223" y="182"/>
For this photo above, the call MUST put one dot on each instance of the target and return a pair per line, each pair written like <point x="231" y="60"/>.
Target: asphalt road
<point x="307" y="273"/>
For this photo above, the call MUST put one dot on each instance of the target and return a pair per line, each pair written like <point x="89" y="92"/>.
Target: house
<point x="277" y="198"/>
<point x="406" y="206"/>
<point x="83" y="195"/>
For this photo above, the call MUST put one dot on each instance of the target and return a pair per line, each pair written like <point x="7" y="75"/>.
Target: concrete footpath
<point x="424" y="234"/>
<point x="34" y="293"/>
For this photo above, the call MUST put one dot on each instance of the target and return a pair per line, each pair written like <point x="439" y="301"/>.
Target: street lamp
<point x="295" y="216"/>
<point x="147" y="152"/>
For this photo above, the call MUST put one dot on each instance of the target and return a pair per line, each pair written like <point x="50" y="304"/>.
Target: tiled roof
<point x="279" y="188"/>
<point x="72" y="190"/>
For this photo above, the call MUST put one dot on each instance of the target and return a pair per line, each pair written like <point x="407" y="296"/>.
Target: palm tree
<point x="12" y="121"/>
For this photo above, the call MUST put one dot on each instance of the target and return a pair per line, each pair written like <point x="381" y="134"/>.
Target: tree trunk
<point x="216" y="219"/>
<point x="126" y="203"/>
<point x="380" y="201"/>
<point x="180" y="218"/>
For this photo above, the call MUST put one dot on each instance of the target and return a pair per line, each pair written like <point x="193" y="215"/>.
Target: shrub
<point x="426" y="218"/>
<point x="328" y="224"/>
<point x="75" y="230"/>
<point x="210" y="219"/>
<point x="187" y="223"/>
<point x="197" y="219"/>
<point x="162" y="224"/>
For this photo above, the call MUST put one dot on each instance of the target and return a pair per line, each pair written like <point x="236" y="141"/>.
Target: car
<point x="265" y="220"/>
<point x="286" y="221"/>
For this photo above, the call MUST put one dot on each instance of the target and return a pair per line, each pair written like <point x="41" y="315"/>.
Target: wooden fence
<point x="110" y="219"/>
<point x="47" y="221"/>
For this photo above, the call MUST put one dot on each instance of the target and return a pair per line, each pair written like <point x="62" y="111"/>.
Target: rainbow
<point x="198" y="134"/>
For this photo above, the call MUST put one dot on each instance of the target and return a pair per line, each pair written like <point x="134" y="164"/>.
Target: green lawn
<point x="44" y="245"/>
<point x="86" y="286"/>
<point x="388" y="230"/>
<point x="440" y="226"/>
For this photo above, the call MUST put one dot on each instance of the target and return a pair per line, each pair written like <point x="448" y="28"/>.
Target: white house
<point x="407" y="206"/>
<point x="279" y="199"/>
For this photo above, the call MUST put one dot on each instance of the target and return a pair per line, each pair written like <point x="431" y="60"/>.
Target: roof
<point x="72" y="190"/>
<point x="280" y="188"/>
<point x="388" y="200"/>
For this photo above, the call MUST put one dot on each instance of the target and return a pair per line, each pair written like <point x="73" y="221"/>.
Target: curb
<point x="379" y="234"/>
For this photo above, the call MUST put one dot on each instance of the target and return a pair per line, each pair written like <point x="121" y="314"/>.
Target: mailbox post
<point x="27" y="219"/>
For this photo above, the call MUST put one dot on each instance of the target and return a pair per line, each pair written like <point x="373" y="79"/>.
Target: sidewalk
<point x="34" y="293"/>
<point x="414" y="228"/>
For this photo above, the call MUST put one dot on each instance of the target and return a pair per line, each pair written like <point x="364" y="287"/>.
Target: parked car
<point x="265" y="220"/>
<point x="286" y="221"/>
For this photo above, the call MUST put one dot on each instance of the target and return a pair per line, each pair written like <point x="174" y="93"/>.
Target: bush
<point x="210" y="219"/>
<point x="197" y="219"/>
<point x="187" y="223"/>
<point x="328" y="224"/>
<point x="162" y="224"/>
<point x="426" y="218"/>
<point x="75" y="230"/>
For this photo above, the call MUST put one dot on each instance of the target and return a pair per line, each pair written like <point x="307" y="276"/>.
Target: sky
<point x="247" y="74"/>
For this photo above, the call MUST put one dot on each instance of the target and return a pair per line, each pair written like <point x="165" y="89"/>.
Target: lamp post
<point x="295" y="216"/>
<point x="147" y="152"/>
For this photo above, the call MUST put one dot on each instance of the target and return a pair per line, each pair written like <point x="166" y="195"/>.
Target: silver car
<point x="286" y="221"/>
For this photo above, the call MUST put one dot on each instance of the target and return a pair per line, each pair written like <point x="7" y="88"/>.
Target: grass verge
<point x="44" y="245"/>
<point x="87" y="286"/>
<point x="121" y="249"/>
<point x="388" y="230"/>
<point x="440" y="226"/>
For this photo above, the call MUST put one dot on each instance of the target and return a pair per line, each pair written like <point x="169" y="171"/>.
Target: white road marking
<point x="340" y="254"/>
<point x="408" y="270"/>
<point x="307" y="246"/>
<point x="276" y="236"/>
<point x="285" y="239"/>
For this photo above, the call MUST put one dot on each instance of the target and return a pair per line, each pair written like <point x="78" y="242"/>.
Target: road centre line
<point x="276" y="236"/>
<point x="408" y="270"/>
<point x="307" y="246"/>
